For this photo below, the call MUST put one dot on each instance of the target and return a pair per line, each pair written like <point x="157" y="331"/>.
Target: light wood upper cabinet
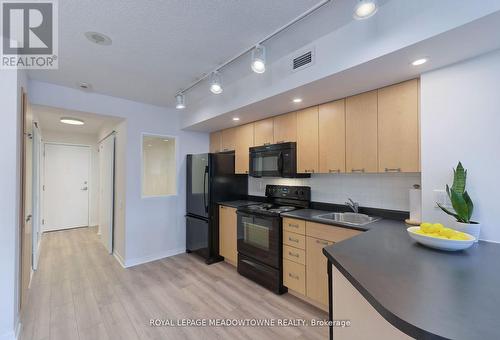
<point x="216" y="142"/>
<point x="264" y="132"/>
<point x="332" y="137"/>
<point x="307" y="140"/>
<point x="285" y="128"/>
<point x="229" y="138"/>
<point x="361" y="133"/>
<point x="227" y="234"/>
<point x="245" y="137"/>
<point x="398" y="128"/>
<point x="316" y="270"/>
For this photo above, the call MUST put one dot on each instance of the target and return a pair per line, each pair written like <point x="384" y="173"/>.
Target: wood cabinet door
<point x="215" y="142"/>
<point x="285" y="128"/>
<point x="361" y="133"/>
<point x="332" y="137"/>
<point x="398" y="128"/>
<point x="244" y="141"/>
<point x="316" y="271"/>
<point x="229" y="138"/>
<point x="264" y="132"/>
<point x="307" y="140"/>
<point x="227" y="234"/>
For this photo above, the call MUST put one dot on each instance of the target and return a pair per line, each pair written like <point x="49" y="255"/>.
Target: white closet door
<point x="66" y="186"/>
<point x="106" y="190"/>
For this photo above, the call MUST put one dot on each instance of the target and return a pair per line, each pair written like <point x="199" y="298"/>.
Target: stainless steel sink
<point x="349" y="218"/>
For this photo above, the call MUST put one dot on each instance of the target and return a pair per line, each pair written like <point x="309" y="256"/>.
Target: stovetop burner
<point x="272" y="208"/>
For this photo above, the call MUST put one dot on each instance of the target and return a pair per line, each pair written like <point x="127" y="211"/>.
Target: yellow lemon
<point x="426" y="227"/>
<point x="438" y="227"/>
<point x="447" y="232"/>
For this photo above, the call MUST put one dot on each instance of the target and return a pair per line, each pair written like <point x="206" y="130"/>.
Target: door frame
<point x="42" y="182"/>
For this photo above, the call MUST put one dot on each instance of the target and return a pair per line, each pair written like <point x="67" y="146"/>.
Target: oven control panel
<point x="302" y="193"/>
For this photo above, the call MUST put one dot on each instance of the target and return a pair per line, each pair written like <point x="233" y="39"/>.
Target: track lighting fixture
<point x="216" y="83"/>
<point x="259" y="59"/>
<point x="180" y="101"/>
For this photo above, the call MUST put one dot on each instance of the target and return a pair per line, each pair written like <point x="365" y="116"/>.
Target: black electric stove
<point x="260" y="234"/>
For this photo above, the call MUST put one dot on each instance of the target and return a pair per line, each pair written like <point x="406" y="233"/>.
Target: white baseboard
<point x="119" y="258"/>
<point x="149" y="258"/>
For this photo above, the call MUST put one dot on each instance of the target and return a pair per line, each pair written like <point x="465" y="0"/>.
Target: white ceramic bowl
<point x="439" y="243"/>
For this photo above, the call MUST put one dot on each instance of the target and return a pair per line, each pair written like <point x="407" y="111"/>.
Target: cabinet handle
<point x="293" y="239"/>
<point x="246" y="171"/>
<point x="293" y="254"/>
<point x="293" y="225"/>
<point x="334" y="170"/>
<point x="226" y="149"/>
<point x="358" y="170"/>
<point x="267" y="143"/>
<point x="296" y="277"/>
<point x="322" y="242"/>
<point x="392" y="169"/>
<point x="280" y="141"/>
<point x="309" y="171"/>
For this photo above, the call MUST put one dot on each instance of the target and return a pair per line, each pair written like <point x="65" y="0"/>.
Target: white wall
<point x="155" y="227"/>
<point x="386" y="191"/>
<point x="10" y="99"/>
<point x="82" y="139"/>
<point x="460" y="120"/>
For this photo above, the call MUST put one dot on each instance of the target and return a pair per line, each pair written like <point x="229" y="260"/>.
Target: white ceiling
<point x="49" y="120"/>
<point x="160" y="46"/>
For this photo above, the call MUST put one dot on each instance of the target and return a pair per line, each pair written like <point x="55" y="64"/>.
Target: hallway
<point x="81" y="292"/>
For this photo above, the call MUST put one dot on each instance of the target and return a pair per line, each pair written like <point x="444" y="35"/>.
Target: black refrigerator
<point x="210" y="179"/>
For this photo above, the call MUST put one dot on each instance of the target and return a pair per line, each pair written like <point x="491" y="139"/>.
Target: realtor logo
<point x="29" y="34"/>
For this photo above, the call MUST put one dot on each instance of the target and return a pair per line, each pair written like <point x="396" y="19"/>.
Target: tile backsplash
<point x="386" y="191"/>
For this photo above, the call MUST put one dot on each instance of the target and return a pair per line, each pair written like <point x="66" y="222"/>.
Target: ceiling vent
<point x="303" y="60"/>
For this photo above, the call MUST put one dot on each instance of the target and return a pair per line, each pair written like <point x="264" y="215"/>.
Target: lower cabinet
<point x="304" y="265"/>
<point x="227" y="234"/>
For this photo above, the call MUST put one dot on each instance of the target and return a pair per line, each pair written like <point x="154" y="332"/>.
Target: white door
<point x="106" y="190"/>
<point x="66" y="195"/>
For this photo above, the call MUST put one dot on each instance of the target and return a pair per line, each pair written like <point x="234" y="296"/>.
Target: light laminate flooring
<point x="80" y="292"/>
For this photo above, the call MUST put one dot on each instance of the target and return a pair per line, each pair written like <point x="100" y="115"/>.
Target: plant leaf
<point x="459" y="205"/>
<point x="459" y="179"/>
<point x="449" y="212"/>
<point x="470" y="205"/>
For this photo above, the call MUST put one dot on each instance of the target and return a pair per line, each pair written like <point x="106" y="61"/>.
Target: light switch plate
<point x="441" y="197"/>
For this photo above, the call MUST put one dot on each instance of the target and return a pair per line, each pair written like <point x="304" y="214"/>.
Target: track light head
<point x="216" y="83"/>
<point x="259" y="59"/>
<point x="180" y="102"/>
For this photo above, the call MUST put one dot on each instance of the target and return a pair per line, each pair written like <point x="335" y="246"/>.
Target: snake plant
<point x="460" y="199"/>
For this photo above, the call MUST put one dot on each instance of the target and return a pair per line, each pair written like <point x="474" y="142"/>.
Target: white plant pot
<point x="473" y="229"/>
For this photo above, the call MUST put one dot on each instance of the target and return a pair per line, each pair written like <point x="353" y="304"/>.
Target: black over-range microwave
<point x="276" y="160"/>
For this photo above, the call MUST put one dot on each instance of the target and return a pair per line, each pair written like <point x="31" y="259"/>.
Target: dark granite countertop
<point x="426" y="293"/>
<point x="238" y="203"/>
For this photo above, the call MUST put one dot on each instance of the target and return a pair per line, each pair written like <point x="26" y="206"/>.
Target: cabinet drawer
<point x="294" y="240"/>
<point x="294" y="276"/>
<point x="294" y="254"/>
<point x="329" y="232"/>
<point x="295" y="226"/>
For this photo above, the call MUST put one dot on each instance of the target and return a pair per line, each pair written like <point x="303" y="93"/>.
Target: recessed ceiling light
<point x="365" y="9"/>
<point x="84" y="86"/>
<point x="71" y="121"/>
<point x="98" y="38"/>
<point x="165" y="140"/>
<point x="236" y="119"/>
<point x="419" y="61"/>
<point x="297" y="100"/>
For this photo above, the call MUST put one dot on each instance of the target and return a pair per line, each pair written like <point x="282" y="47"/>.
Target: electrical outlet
<point x="441" y="197"/>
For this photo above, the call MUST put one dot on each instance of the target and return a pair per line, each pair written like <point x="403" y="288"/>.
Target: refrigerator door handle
<point x="204" y="191"/>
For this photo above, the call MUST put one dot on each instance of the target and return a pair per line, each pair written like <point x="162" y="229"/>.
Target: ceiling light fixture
<point x="236" y="119"/>
<point x="259" y="59"/>
<point x="365" y="9"/>
<point x="297" y="100"/>
<point x="216" y="83"/>
<point x="260" y="66"/>
<point x="419" y="61"/>
<point x="180" y="101"/>
<point x="98" y="38"/>
<point x="71" y="121"/>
